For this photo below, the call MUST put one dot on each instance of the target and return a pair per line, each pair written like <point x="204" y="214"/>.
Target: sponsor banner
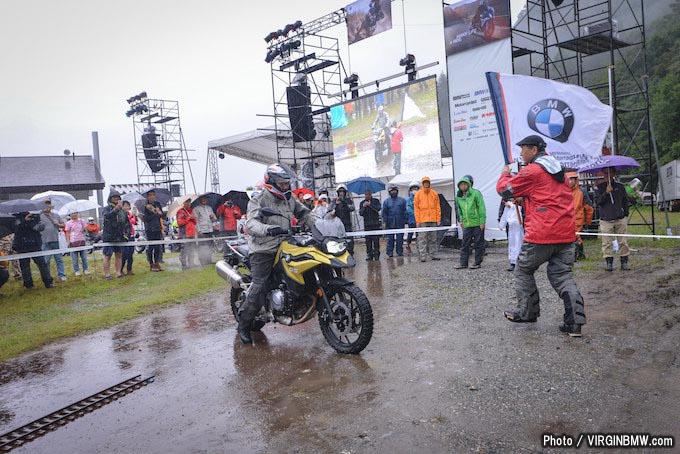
<point x="366" y="18"/>
<point x="473" y="23"/>
<point x="473" y="116"/>
<point x="571" y="119"/>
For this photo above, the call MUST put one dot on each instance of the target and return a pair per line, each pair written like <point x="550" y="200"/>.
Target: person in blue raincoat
<point x="394" y="217"/>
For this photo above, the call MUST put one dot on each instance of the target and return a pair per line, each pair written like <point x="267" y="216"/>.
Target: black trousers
<point x="128" y="256"/>
<point x="25" y="265"/>
<point x="472" y="236"/>
<point x="260" y="270"/>
<point x="372" y="243"/>
<point x="4" y="276"/>
<point x="153" y="253"/>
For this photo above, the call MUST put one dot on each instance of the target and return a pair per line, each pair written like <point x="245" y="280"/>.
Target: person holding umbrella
<point x="205" y="216"/>
<point x="186" y="221"/>
<point x="50" y="237"/>
<point x="228" y="214"/>
<point x="75" y="235"/>
<point x="613" y="202"/>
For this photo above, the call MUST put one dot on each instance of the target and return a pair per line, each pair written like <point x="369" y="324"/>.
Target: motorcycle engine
<point x="279" y="300"/>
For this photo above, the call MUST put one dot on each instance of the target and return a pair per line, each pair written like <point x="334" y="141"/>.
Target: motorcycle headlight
<point x="336" y="247"/>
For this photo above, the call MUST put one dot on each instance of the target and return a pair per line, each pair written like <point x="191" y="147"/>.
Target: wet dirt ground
<point x="445" y="372"/>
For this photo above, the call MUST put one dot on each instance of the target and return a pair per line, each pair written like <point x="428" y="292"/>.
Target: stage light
<point x="131" y="99"/>
<point x="270" y="37"/>
<point x="408" y="60"/>
<point x="297" y="25"/>
<point x="287" y="29"/>
<point x="271" y="55"/>
<point x="221" y="156"/>
<point x="142" y="95"/>
<point x="130" y="113"/>
<point x="353" y="81"/>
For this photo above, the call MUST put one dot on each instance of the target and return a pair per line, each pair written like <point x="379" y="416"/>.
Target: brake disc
<point x="343" y="326"/>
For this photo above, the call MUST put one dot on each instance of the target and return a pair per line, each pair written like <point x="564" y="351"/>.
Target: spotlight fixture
<point x="271" y="55"/>
<point x="221" y="156"/>
<point x="269" y="37"/>
<point x="353" y="82"/>
<point x="409" y="61"/>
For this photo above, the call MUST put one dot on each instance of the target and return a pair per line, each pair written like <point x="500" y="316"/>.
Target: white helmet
<point x="414" y="184"/>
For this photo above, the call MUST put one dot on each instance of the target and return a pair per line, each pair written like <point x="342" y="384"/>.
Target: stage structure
<point x="599" y="45"/>
<point x="162" y="158"/>
<point x="307" y="76"/>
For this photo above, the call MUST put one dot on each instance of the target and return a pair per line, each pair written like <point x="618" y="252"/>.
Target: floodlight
<point x="409" y="59"/>
<point x="221" y="156"/>
<point x="271" y="55"/>
<point x="354" y="78"/>
<point x="270" y="37"/>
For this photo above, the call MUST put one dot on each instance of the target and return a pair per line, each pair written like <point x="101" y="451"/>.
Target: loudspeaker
<point x="151" y="153"/>
<point x="300" y="113"/>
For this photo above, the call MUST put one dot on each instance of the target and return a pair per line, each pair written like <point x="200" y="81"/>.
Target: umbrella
<point x="213" y="200"/>
<point x="240" y="199"/>
<point x="603" y="162"/>
<point x="77" y="206"/>
<point x="58" y="198"/>
<point x="361" y="184"/>
<point x="7" y="224"/>
<point x="136" y="199"/>
<point x="163" y="195"/>
<point x="303" y="191"/>
<point x="20" y="206"/>
<point x="178" y="203"/>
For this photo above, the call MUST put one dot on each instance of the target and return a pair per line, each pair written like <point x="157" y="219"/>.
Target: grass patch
<point x="30" y="319"/>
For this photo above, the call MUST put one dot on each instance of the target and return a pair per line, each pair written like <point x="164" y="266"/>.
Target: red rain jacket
<point x="548" y="205"/>
<point x="187" y="226"/>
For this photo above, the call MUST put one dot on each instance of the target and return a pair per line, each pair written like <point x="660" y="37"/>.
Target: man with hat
<point x="50" y="237"/>
<point x="612" y="200"/>
<point x="549" y="235"/>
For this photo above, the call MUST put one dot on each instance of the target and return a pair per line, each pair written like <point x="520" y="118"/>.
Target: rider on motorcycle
<point x="265" y="236"/>
<point x="484" y="10"/>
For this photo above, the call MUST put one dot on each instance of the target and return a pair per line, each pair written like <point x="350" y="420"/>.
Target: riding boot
<point x="244" y="332"/>
<point x="246" y="316"/>
<point x="580" y="255"/>
<point x="610" y="263"/>
<point x="624" y="263"/>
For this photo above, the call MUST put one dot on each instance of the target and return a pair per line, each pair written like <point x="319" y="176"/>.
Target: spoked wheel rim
<point x="350" y="327"/>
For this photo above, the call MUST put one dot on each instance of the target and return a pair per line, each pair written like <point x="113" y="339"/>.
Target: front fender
<point x="340" y="281"/>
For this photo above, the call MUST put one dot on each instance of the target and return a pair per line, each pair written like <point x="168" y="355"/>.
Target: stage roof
<point x="260" y="146"/>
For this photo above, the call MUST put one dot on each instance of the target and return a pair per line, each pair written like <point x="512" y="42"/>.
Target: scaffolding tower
<point x="312" y="59"/>
<point x="159" y="145"/>
<point x="599" y="45"/>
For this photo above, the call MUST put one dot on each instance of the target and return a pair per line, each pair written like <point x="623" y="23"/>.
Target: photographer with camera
<point x="27" y="238"/>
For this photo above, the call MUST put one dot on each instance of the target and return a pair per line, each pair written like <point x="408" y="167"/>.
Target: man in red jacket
<point x="228" y="213"/>
<point x="186" y="220"/>
<point x="549" y="235"/>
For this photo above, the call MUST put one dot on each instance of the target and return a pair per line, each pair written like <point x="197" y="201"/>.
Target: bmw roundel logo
<point x="551" y="118"/>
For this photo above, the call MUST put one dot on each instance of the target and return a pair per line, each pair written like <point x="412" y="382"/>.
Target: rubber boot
<point x="244" y="332"/>
<point x="610" y="263"/>
<point x="580" y="255"/>
<point x="624" y="263"/>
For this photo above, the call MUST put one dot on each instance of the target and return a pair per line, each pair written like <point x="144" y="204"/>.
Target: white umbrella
<point x="77" y="206"/>
<point x="58" y="198"/>
<point x="177" y="204"/>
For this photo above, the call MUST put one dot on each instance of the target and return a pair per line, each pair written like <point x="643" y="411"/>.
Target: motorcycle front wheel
<point x="352" y="329"/>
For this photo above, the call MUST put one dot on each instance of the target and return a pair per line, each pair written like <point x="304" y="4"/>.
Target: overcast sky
<point x="69" y="65"/>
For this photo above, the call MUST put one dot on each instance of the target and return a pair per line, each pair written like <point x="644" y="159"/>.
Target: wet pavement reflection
<point x="211" y="392"/>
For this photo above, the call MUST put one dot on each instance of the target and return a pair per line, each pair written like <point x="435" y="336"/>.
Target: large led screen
<point x="368" y="132"/>
<point x="472" y="23"/>
<point x="366" y="18"/>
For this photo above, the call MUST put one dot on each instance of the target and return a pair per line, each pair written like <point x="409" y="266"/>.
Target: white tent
<point x="441" y="181"/>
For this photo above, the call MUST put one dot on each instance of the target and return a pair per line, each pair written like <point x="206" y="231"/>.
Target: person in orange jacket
<point x="228" y="213"/>
<point x="583" y="211"/>
<point x="428" y="213"/>
<point x="186" y="220"/>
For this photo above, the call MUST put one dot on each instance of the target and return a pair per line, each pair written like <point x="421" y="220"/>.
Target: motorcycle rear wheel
<point x="352" y="333"/>
<point x="236" y="301"/>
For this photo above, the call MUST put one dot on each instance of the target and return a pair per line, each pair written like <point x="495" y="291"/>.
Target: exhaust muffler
<point x="229" y="274"/>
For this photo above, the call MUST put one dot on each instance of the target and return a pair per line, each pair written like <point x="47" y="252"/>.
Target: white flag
<point x="410" y="109"/>
<point x="570" y="118"/>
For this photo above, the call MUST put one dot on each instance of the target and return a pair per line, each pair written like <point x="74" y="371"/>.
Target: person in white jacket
<point x="511" y="219"/>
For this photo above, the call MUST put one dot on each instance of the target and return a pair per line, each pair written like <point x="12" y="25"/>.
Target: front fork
<point x="324" y="298"/>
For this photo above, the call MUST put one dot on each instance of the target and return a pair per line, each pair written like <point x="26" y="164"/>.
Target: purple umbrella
<point x="603" y="162"/>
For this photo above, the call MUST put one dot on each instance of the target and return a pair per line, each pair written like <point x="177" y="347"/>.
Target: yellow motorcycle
<point x="306" y="280"/>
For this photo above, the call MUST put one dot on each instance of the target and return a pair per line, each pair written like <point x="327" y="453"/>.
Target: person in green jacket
<point x="472" y="219"/>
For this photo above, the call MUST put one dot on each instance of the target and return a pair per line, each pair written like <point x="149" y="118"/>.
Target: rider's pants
<point x="260" y="268"/>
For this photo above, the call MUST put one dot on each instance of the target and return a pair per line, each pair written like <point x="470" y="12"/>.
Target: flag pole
<point x="611" y="104"/>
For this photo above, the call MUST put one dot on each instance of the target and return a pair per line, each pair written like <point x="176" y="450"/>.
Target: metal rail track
<point x="59" y="418"/>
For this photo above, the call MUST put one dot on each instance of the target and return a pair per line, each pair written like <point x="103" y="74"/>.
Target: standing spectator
<point x="50" y="237"/>
<point x="410" y="213"/>
<point x="129" y="251"/>
<point x="153" y="226"/>
<point x="229" y="214"/>
<point x="115" y="225"/>
<point x="4" y="274"/>
<point x="613" y="202"/>
<point x="27" y="238"/>
<point x="370" y="210"/>
<point x="93" y="229"/>
<point x="549" y="235"/>
<point x="394" y="217"/>
<point x="395" y="145"/>
<point x="204" y="224"/>
<point x="75" y="235"/>
<point x="321" y="206"/>
<point x="428" y="213"/>
<point x="344" y="206"/>
<point x="186" y="221"/>
<point x="510" y="220"/>
<point x="322" y="191"/>
<point x="472" y="216"/>
<point x="583" y="211"/>
<point x="308" y="201"/>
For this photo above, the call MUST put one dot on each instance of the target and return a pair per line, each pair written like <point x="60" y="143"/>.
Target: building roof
<point x="42" y="173"/>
